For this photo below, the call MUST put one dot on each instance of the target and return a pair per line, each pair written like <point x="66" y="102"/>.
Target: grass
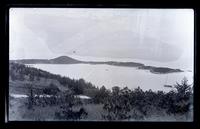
<point x="19" y="112"/>
<point x="95" y="112"/>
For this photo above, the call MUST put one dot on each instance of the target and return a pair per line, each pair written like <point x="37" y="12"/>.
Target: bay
<point x="110" y="76"/>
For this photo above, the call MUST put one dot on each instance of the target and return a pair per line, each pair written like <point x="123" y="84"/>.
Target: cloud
<point x="157" y="35"/>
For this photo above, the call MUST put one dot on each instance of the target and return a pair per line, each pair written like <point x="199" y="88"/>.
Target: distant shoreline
<point x="69" y="60"/>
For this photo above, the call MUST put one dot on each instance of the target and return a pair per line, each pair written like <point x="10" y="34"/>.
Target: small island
<point x="69" y="60"/>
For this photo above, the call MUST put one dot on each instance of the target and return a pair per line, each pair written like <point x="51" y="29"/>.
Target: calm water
<point x="110" y="76"/>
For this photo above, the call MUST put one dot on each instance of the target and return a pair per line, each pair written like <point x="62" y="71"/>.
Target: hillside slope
<point x="22" y="78"/>
<point x="58" y="60"/>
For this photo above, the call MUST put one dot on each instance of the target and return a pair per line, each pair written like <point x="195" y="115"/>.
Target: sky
<point x="161" y="35"/>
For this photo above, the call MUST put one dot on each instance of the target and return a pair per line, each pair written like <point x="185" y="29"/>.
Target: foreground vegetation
<point x="110" y="105"/>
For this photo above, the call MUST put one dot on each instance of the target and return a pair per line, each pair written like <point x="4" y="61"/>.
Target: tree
<point x="138" y="100"/>
<point x="118" y="105"/>
<point x="102" y="95"/>
<point x="184" y="93"/>
<point x="66" y="111"/>
<point x="180" y="100"/>
<point x="31" y="99"/>
<point x="184" y="88"/>
<point x="115" y="90"/>
<point x="77" y="86"/>
<point x="51" y="90"/>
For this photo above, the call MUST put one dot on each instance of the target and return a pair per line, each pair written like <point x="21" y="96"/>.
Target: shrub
<point x="51" y="90"/>
<point x="101" y="96"/>
<point x="31" y="99"/>
<point x="66" y="111"/>
<point x="118" y="105"/>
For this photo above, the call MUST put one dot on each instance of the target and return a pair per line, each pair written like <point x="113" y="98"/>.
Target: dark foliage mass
<point x="118" y="103"/>
<point x="51" y="90"/>
<point x="67" y="112"/>
<point x="66" y="102"/>
<point x="20" y="71"/>
<point x="125" y="103"/>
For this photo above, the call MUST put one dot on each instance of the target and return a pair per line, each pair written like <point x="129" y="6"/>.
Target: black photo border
<point x="4" y="64"/>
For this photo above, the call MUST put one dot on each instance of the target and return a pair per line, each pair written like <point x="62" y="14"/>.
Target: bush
<point x="66" y="111"/>
<point x="51" y="90"/>
<point x="124" y="104"/>
<point x="118" y="105"/>
<point x="31" y="99"/>
<point x="101" y="96"/>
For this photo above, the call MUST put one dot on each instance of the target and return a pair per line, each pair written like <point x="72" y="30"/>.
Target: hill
<point x="58" y="60"/>
<point x="22" y="78"/>
<point x="64" y="60"/>
<point x="69" y="60"/>
<point x="53" y="97"/>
